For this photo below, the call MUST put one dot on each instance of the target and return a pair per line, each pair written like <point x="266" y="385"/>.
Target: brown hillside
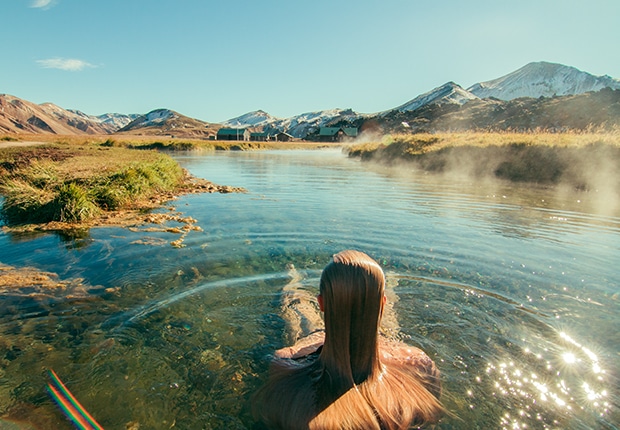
<point x="19" y="116"/>
<point x="164" y="122"/>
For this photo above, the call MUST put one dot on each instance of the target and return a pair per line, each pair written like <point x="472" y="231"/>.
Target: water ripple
<point x="141" y="312"/>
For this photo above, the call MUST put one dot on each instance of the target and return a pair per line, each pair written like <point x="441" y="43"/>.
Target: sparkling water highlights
<point x="551" y="384"/>
<point x="511" y="289"/>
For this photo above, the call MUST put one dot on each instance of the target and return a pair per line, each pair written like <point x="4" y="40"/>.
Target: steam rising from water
<point x="587" y="174"/>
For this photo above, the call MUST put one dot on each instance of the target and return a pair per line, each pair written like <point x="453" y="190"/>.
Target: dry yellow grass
<point x="155" y="142"/>
<point x="423" y="143"/>
<point x="585" y="161"/>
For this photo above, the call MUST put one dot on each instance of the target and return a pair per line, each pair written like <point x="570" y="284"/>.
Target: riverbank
<point x="160" y="143"/>
<point x="76" y="186"/>
<point x="585" y="161"/>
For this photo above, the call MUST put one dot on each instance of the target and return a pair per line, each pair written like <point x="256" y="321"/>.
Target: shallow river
<point x="513" y="290"/>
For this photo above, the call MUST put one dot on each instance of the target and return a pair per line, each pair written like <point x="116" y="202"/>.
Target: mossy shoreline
<point x="68" y="186"/>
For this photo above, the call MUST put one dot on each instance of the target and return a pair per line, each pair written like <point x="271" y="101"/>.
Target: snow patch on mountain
<point x="159" y="116"/>
<point x="542" y="79"/>
<point x="113" y="121"/>
<point x="116" y="120"/>
<point x="309" y="122"/>
<point x="153" y="118"/>
<point x="257" y="118"/>
<point x="298" y="126"/>
<point x="449" y="93"/>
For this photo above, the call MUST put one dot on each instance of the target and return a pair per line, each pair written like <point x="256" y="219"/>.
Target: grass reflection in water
<point x="513" y="305"/>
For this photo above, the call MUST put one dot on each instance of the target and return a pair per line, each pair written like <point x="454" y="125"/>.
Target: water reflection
<point x="514" y="297"/>
<point x="548" y="385"/>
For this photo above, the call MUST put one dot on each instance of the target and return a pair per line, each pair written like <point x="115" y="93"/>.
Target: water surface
<point x="511" y="289"/>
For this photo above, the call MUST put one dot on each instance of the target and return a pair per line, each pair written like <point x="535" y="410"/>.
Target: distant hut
<point x="233" y="134"/>
<point x="259" y="136"/>
<point x="282" y="137"/>
<point x="337" y="134"/>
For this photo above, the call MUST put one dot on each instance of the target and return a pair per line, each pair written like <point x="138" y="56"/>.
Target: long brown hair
<point x="347" y="387"/>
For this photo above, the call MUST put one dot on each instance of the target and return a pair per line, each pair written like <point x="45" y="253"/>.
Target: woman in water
<point x="348" y="376"/>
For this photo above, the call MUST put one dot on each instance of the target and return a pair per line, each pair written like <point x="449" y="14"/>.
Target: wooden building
<point x="282" y="137"/>
<point x="337" y="134"/>
<point x="233" y="134"/>
<point x="260" y="136"/>
<point x="264" y="136"/>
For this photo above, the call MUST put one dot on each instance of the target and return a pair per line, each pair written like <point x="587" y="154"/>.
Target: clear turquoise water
<point x="512" y="289"/>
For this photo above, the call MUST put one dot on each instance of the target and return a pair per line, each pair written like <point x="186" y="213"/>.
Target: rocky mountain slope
<point x="485" y="105"/>
<point x="22" y="116"/>
<point x="113" y="121"/>
<point x="257" y="118"/>
<point x="592" y="110"/>
<point x="571" y="99"/>
<point x="449" y="93"/>
<point x="170" y="123"/>
<point x="300" y="126"/>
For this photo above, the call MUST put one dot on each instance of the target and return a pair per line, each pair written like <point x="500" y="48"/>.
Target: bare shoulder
<point x="393" y="352"/>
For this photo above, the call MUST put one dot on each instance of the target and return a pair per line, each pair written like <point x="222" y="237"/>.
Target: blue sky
<point x="217" y="59"/>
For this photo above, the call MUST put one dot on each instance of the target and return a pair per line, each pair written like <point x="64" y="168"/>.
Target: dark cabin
<point x="233" y="134"/>
<point x="261" y="136"/>
<point x="283" y="137"/>
<point x="337" y="134"/>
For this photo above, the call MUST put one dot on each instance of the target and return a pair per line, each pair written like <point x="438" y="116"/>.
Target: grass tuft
<point x="25" y="203"/>
<point x="72" y="203"/>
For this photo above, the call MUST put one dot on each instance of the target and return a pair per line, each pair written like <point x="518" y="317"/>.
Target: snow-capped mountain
<point x="309" y="122"/>
<point x="542" y="79"/>
<point x="154" y="117"/>
<point x="114" y="121"/>
<point x="297" y="126"/>
<point x="449" y="93"/>
<point x="257" y="118"/>
<point x="168" y="122"/>
<point x="531" y="81"/>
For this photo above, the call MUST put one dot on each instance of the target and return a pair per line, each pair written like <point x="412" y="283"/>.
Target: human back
<point x="353" y="379"/>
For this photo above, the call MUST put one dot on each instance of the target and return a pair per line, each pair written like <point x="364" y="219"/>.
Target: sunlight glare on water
<point x="511" y="289"/>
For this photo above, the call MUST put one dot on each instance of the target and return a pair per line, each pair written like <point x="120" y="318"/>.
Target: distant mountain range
<point x="21" y="116"/>
<point x="538" y="95"/>
<point x="300" y="126"/>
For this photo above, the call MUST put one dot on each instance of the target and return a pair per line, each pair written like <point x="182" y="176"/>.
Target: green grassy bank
<point x="71" y="183"/>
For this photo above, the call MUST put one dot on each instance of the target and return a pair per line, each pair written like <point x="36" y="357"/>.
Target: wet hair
<point x="348" y="386"/>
